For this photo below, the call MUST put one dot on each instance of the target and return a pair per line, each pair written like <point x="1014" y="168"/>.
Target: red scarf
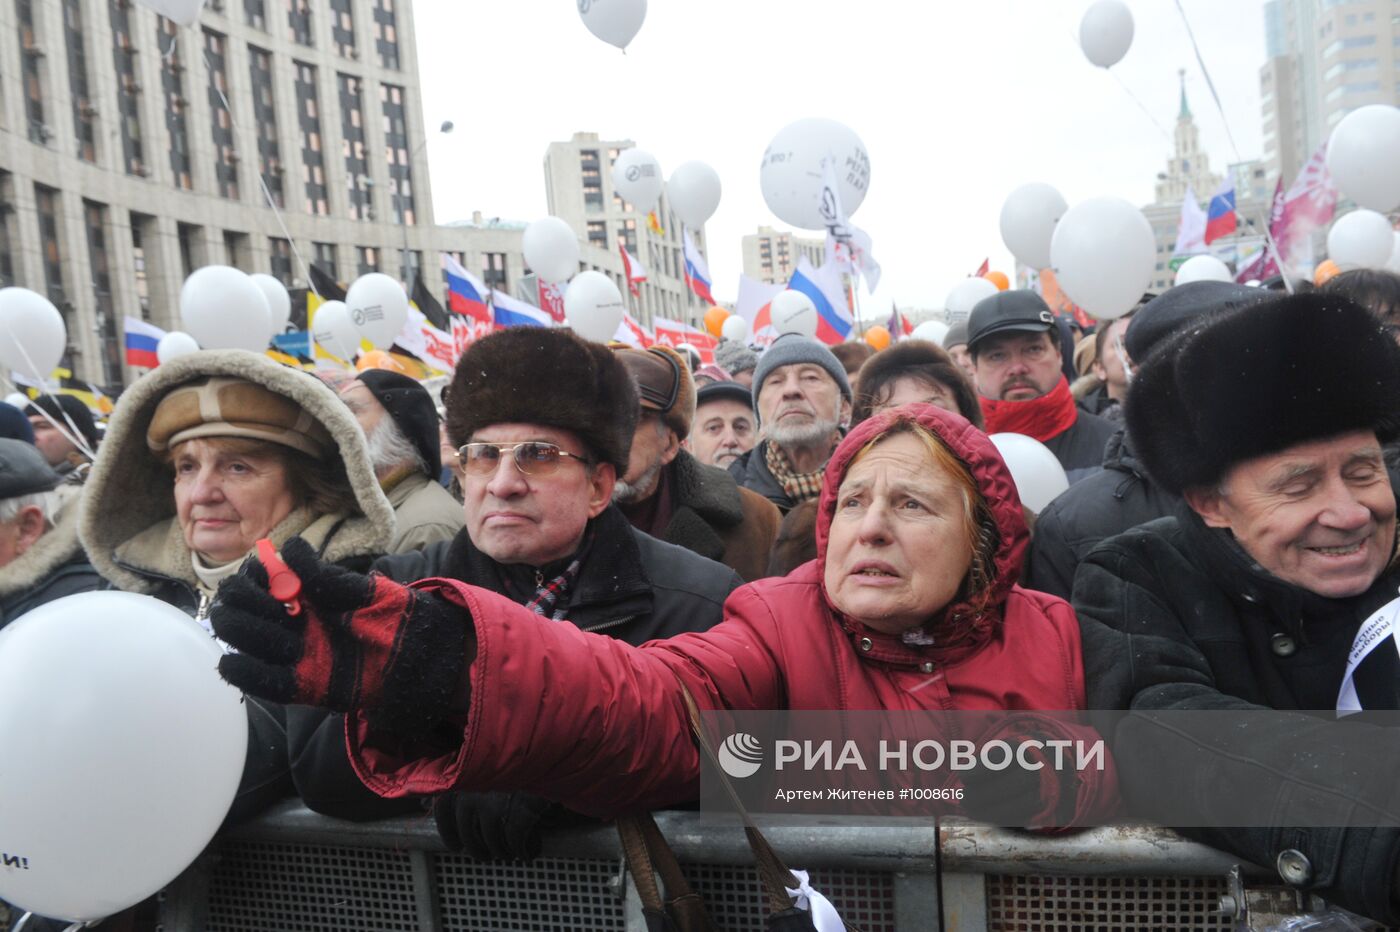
<point x="1042" y="418"/>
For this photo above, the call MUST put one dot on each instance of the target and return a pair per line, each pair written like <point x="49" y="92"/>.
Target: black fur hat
<point x="1257" y="380"/>
<point x="531" y="375"/>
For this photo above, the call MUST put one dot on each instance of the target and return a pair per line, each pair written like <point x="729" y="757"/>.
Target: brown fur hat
<point x="532" y="375"/>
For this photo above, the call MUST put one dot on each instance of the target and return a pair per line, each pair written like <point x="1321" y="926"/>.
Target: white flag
<point x="1191" y="230"/>
<point x="847" y="245"/>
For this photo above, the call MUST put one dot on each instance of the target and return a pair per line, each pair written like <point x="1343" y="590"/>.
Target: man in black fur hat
<point x="1258" y="594"/>
<point x="543" y="424"/>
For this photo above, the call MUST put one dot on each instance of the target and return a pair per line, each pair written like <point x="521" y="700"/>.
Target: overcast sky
<point x="957" y="105"/>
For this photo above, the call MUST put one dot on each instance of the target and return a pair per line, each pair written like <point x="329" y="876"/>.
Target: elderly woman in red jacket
<point x="911" y="604"/>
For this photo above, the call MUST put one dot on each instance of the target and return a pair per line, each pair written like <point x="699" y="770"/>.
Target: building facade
<point x="770" y="255"/>
<point x="1325" y="58"/>
<point x="579" y="190"/>
<point x="133" y="151"/>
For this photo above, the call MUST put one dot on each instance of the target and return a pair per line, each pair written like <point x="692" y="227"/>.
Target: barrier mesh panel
<point x="544" y="895"/>
<point x="1105" y="904"/>
<point x="255" y="887"/>
<point x="734" y="896"/>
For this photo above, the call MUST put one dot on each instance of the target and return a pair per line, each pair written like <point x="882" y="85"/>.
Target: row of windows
<point x="300" y="28"/>
<point x="174" y="90"/>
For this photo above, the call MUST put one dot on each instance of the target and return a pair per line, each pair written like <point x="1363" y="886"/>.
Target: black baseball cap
<point x="734" y="391"/>
<point x="1008" y="311"/>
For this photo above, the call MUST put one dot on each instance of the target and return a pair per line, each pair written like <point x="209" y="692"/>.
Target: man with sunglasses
<point x="671" y="495"/>
<point x="543" y="423"/>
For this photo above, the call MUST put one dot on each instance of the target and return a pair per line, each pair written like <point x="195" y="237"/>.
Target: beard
<point x="810" y="433"/>
<point x="629" y="493"/>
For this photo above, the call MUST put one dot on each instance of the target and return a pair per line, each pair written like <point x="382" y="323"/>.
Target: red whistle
<point x="282" y="583"/>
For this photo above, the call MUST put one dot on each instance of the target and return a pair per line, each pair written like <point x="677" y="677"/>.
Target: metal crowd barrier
<point x="294" y="870"/>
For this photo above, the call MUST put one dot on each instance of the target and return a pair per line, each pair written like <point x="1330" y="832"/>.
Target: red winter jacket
<point x="599" y="724"/>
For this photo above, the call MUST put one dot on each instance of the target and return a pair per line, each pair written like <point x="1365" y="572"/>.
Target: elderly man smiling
<point x="1260" y="594"/>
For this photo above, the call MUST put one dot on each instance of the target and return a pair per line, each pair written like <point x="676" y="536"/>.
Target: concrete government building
<point x="134" y="151"/>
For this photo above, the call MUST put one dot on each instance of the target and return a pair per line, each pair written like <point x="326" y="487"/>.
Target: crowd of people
<point x="509" y="592"/>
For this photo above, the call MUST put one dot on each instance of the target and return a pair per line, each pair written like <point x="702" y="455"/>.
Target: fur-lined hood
<point x="128" y="495"/>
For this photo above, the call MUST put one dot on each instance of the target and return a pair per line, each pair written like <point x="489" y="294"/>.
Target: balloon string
<point x="75" y="437"/>
<point x="262" y="181"/>
<point x="1141" y="106"/>
<point x="1220" y="108"/>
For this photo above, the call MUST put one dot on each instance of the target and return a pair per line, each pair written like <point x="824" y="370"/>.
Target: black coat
<point x="1080" y="449"/>
<point x="1090" y="512"/>
<point x="1175" y="616"/>
<point x="751" y="471"/>
<point x="630" y="586"/>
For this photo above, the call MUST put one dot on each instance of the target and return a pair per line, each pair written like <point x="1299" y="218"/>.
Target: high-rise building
<point x="771" y="255"/>
<point x="579" y="188"/>
<point x="1325" y="58"/>
<point x="1188" y="168"/>
<point x="133" y="151"/>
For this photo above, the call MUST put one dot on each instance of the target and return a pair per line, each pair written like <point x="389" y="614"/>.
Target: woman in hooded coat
<point x="204" y="456"/>
<point x="920" y="541"/>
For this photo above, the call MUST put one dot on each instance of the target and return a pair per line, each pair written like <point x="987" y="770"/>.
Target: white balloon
<point x="963" y="297"/>
<point x="1104" y="253"/>
<point x="1394" y="263"/>
<point x="616" y="22"/>
<point x="279" y="303"/>
<point x="593" y="306"/>
<point x="551" y="249"/>
<point x="790" y="174"/>
<point x="1363" y="156"/>
<point x="175" y="344"/>
<point x="183" y="12"/>
<point x="1039" y="477"/>
<point x="1203" y="269"/>
<point x="1106" y="32"/>
<point x="32" y="333"/>
<point x="932" y="330"/>
<point x="735" y="328"/>
<point x="16" y="400"/>
<point x="793" y="312"/>
<point x="224" y="308"/>
<point x="694" y="191"/>
<point x="333" y="328"/>
<point x="379" y="308"/>
<point x="1028" y="218"/>
<point x="115" y="782"/>
<point x="637" y="177"/>
<point x="1362" y="239"/>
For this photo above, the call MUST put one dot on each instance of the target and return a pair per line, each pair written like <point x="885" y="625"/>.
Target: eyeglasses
<point x="532" y="457"/>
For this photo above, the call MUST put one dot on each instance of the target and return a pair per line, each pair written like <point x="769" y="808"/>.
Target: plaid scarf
<point x="551" y="597"/>
<point x="800" y="487"/>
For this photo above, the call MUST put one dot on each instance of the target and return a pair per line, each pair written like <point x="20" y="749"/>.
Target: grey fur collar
<point x="128" y="492"/>
<point x="55" y="548"/>
<point x="708" y="490"/>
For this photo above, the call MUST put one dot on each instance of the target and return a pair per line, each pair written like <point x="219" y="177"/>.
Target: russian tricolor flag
<point x="465" y="292"/>
<point x="697" y="272"/>
<point x="1220" y="216"/>
<point x="834" y="320"/>
<point x="141" y="342"/>
<point x="512" y="312"/>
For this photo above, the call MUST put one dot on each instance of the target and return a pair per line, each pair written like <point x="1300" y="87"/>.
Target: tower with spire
<point x="1188" y="164"/>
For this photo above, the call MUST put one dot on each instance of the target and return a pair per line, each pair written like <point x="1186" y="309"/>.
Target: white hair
<point x="390" y="448"/>
<point x="46" y="502"/>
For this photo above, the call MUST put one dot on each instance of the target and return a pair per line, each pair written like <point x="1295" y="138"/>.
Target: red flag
<point x="552" y="300"/>
<point x="984" y="268"/>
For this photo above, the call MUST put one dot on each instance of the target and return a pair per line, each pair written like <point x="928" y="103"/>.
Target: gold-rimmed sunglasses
<point x="532" y="457"/>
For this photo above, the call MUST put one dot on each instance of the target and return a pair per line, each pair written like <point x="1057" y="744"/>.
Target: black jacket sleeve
<point x="321" y="771"/>
<point x="1050" y="560"/>
<point x="265" y="779"/>
<point x="1142" y="614"/>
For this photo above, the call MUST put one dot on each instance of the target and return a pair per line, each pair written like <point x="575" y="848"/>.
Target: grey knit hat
<point x="734" y="357"/>
<point x="793" y="349"/>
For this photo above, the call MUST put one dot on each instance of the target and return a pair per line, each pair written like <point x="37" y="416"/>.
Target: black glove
<point x="492" y="826"/>
<point x="361" y="643"/>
